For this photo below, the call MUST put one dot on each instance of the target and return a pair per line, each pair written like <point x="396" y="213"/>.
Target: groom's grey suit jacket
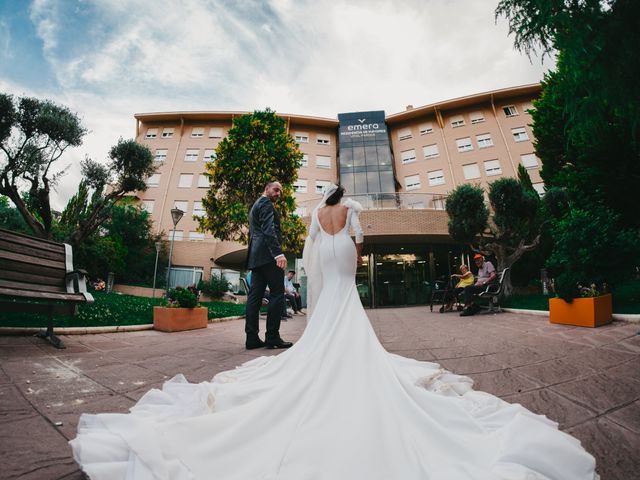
<point x="265" y="239"/>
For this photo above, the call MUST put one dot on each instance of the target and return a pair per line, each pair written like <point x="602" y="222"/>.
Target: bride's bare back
<point x="333" y="218"/>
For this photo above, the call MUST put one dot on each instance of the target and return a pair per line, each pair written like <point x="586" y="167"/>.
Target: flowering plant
<point x="181" y="298"/>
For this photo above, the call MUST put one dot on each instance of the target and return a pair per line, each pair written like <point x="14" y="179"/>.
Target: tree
<point x="587" y="118"/>
<point x="33" y="136"/>
<point x="131" y="163"/>
<point x="512" y="228"/>
<point x="257" y="150"/>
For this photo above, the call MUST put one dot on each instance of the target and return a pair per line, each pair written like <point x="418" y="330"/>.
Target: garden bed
<point x="113" y="310"/>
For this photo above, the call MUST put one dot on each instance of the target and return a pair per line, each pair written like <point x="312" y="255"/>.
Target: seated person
<point x="465" y="279"/>
<point x="486" y="275"/>
<point x="291" y="294"/>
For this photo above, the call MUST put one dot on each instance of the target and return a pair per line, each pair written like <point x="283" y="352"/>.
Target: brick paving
<point x="588" y="380"/>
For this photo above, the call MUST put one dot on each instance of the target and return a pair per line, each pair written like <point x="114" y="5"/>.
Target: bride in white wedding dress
<point x="336" y="406"/>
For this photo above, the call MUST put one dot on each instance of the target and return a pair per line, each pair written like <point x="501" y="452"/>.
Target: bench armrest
<point x="76" y="282"/>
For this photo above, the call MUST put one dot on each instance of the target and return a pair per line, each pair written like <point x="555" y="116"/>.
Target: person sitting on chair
<point x="465" y="279"/>
<point x="486" y="275"/>
<point x="291" y="294"/>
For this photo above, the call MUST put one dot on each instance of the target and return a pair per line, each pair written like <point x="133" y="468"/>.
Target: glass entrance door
<point x="401" y="279"/>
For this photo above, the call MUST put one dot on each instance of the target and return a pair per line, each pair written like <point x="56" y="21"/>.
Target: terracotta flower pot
<point x="583" y="312"/>
<point x="178" y="319"/>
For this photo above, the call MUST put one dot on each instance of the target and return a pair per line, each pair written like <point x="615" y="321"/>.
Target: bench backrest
<point x="30" y="263"/>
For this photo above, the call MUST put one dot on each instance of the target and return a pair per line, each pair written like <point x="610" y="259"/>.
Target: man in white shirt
<point x="292" y="294"/>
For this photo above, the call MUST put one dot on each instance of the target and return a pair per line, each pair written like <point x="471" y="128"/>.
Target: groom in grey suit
<point x="267" y="263"/>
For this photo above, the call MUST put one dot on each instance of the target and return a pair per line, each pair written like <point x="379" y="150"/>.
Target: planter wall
<point x="583" y="312"/>
<point x="178" y="319"/>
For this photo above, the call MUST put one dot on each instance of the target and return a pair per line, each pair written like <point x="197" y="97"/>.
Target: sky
<point x="109" y="59"/>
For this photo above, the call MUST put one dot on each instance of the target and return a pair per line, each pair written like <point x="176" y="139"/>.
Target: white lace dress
<point x="336" y="406"/>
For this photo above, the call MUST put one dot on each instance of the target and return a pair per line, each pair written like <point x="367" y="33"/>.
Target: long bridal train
<point x="336" y="406"/>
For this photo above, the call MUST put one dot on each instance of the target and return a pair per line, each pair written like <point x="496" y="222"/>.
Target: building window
<point x="539" y="187"/>
<point x="191" y="155"/>
<point x="152" y="133"/>
<point x="203" y="181"/>
<point x="300" y="186"/>
<point x="510" y="110"/>
<point x="181" y="205"/>
<point x="484" y="140"/>
<point x="519" y="134"/>
<point x="529" y="160"/>
<point x="436" y="177"/>
<point x="323" y="161"/>
<point x="305" y="160"/>
<point x="178" y="234"/>
<point x="197" y="132"/>
<point x="323" y="139"/>
<point x="426" y="128"/>
<point x="464" y="144"/>
<point x="430" y="151"/>
<point x="167" y="133"/>
<point x="408" y="156"/>
<point x="321" y="185"/>
<point x="412" y="182"/>
<point x="215" y="132"/>
<point x="209" y="155"/>
<point x="301" y="211"/>
<point x="196" y="236"/>
<point x="161" y="155"/>
<point x="198" y="209"/>
<point x="457" y="121"/>
<point x="301" y="137"/>
<point x="471" y="171"/>
<point x="186" y="179"/>
<point x="153" y="180"/>
<point x="492" y="167"/>
<point x="419" y="204"/>
<point x="404" y="134"/>
<point x="147" y="205"/>
<point x="476" y="117"/>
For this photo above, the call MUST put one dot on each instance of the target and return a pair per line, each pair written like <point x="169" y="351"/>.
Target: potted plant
<point x="180" y="312"/>
<point x="591" y="249"/>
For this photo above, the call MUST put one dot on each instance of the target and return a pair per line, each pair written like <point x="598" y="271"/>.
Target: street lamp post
<point x="176" y="215"/>
<point x="155" y="269"/>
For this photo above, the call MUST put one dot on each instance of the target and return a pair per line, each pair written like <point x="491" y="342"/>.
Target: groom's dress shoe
<point x="278" y="344"/>
<point x="253" y="344"/>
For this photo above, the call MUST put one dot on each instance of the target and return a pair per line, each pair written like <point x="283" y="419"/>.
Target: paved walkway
<point x="588" y="380"/>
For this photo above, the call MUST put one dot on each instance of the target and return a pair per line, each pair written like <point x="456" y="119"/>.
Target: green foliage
<point x="525" y="179"/>
<point x="257" y="150"/>
<point x="587" y="129"/>
<point x="181" y="298"/>
<point x="514" y="208"/>
<point x="10" y="218"/>
<point x="217" y="286"/>
<point x="468" y="214"/>
<point x="590" y="246"/>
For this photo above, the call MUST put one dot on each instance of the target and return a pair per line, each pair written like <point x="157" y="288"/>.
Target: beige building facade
<point x="399" y="166"/>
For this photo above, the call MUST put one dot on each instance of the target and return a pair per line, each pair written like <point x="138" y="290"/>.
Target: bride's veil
<point x="311" y="259"/>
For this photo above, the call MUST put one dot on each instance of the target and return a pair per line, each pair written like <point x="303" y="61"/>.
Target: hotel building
<point x="399" y="166"/>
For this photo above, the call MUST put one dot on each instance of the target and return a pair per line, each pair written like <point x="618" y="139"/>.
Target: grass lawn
<point x="112" y="309"/>
<point x="626" y="299"/>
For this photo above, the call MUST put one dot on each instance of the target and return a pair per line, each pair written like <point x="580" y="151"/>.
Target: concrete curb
<point x="627" y="317"/>
<point x="96" y="330"/>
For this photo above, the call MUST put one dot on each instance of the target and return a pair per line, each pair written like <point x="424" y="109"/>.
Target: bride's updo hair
<point x="335" y="196"/>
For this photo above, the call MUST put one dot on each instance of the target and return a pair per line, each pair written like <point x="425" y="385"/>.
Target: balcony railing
<point x="385" y="201"/>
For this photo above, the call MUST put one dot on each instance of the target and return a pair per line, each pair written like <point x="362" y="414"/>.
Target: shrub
<point x="180" y="297"/>
<point x="216" y="287"/>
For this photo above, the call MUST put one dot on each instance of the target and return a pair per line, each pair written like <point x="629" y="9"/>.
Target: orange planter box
<point x="178" y="319"/>
<point x="583" y="312"/>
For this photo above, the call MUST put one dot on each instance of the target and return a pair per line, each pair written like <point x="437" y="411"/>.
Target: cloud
<point x="114" y="58"/>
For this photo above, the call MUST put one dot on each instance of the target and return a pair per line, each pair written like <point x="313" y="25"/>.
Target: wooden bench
<point x="37" y="276"/>
<point x="489" y="299"/>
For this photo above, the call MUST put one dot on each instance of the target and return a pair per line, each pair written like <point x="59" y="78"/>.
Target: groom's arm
<point x="267" y="224"/>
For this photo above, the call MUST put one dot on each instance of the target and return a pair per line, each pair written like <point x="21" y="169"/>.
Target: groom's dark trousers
<point x="261" y="277"/>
